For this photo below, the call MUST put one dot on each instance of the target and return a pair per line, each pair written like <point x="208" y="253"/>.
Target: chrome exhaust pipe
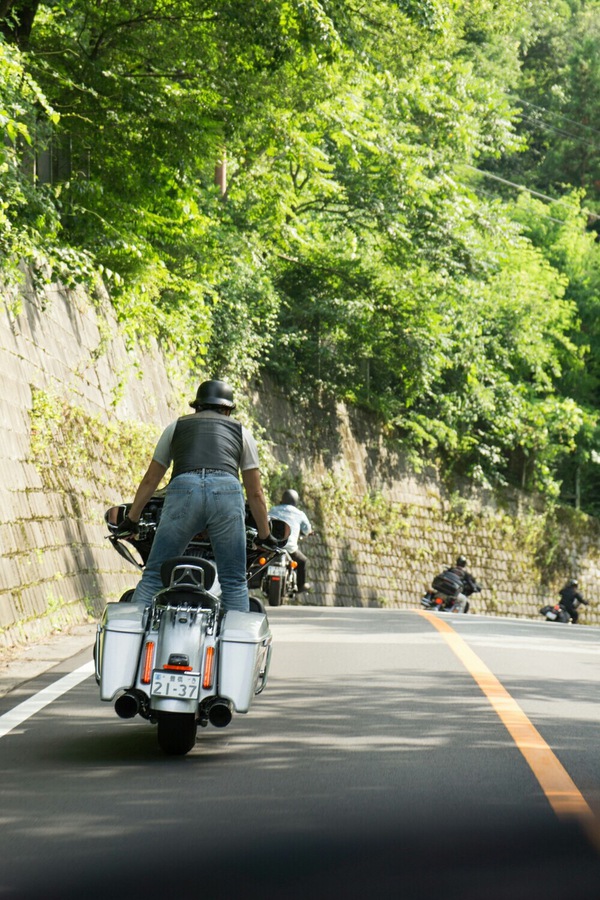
<point x="127" y="706"/>
<point x="219" y="713"/>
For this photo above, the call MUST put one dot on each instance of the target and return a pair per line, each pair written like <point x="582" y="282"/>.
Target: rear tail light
<point x="209" y="662"/>
<point x="148" y="660"/>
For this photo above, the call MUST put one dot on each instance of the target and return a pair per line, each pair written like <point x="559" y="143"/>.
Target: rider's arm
<point x="256" y="500"/>
<point x="471" y="583"/>
<point x="305" y="526"/>
<point x="148" y="485"/>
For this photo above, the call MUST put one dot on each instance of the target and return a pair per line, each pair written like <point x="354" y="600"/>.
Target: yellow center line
<point x="556" y="783"/>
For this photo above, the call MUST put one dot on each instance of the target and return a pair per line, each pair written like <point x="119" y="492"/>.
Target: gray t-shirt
<point x="163" y="455"/>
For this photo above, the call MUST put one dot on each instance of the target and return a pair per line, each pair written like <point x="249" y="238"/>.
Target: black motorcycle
<point x="555" y="613"/>
<point x="276" y="577"/>
<point x="444" y="593"/>
<point x="258" y="559"/>
<point x="448" y="593"/>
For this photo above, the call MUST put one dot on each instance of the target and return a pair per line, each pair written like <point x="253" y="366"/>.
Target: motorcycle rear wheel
<point x="176" y="733"/>
<point x="275" y="592"/>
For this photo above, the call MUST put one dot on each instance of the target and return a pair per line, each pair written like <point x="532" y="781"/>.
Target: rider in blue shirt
<point x="289" y="512"/>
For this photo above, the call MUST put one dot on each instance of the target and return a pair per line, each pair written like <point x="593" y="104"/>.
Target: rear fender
<point x="183" y="647"/>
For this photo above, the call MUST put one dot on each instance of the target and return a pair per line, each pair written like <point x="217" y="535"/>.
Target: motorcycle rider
<point x="470" y="586"/>
<point x="571" y="598"/>
<point x="207" y="449"/>
<point x="288" y="511"/>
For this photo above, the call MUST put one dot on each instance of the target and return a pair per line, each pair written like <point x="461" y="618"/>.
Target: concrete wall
<point x="81" y="413"/>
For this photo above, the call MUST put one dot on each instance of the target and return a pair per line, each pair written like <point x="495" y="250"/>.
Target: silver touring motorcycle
<point x="183" y="661"/>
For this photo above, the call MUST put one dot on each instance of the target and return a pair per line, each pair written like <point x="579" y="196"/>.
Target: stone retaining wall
<point x="81" y="414"/>
<point x="55" y="566"/>
<point x="385" y="531"/>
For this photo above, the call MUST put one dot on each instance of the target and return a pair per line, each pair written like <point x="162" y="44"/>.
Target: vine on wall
<point x="70" y="446"/>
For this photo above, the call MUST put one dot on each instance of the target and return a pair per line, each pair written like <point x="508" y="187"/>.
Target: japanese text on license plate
<point x="175" y="684"/>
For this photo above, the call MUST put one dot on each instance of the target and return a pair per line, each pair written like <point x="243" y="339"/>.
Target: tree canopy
<point x="394" y="204"/>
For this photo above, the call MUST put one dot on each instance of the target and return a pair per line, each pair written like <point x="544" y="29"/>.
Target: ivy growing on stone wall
<point x="72" y="448"/>
<point x="540" y="530"/>
<point x="69" y="447"/>
<point x="336" y="501"/>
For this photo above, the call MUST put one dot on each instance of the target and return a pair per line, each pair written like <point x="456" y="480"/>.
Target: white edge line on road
<point x="28" y="708"/>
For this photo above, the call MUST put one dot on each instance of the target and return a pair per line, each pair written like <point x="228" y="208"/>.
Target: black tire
<point x="126" y="598"/>
<point x="176" y="733"/>
<point x="275" y="592"/>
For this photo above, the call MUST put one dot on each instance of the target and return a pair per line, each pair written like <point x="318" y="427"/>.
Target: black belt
<point x="204" y="472"/>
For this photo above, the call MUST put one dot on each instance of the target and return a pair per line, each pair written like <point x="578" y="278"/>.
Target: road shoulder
<point x="22" y="663"/>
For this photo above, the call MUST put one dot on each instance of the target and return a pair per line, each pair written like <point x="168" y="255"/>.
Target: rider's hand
<point x="269" y="542"/>
<point x="127" y="528"/>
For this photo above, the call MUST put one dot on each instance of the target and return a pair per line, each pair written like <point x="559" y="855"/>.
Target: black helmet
<point x="461" y="561"/>
<point x="290" y="497"/>
<point x="213" y="393"/>
<point x="573" y="582"/>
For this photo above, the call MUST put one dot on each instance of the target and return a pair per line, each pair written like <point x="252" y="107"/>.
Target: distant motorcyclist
<point x="469" y="587"/>
<point x="571" y="599"/>
<point x="288" y="511"/>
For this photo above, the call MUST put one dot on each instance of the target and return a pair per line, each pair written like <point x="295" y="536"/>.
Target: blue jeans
<point x="196" y="502"/>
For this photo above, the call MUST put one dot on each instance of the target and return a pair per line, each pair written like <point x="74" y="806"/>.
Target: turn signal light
<point x="148" y="660"/>
<point x="209" y="661"/>
<point x="262" y="560"/>
<point x="294" y="564"/>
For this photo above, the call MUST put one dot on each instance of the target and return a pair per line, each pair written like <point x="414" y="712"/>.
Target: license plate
<point x="276" y="570"/>
<point x="177" y="685"/>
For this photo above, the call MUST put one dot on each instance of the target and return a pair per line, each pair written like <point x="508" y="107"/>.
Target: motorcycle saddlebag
<point x="244" y="657"/>
<point x="447" y="583"/>
<point x="118" y="646"/>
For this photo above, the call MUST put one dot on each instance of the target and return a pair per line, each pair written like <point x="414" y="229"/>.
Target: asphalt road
<point x="385" y="757"/>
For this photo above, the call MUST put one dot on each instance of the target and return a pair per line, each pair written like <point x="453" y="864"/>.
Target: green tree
<point x="358" y="248"/>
